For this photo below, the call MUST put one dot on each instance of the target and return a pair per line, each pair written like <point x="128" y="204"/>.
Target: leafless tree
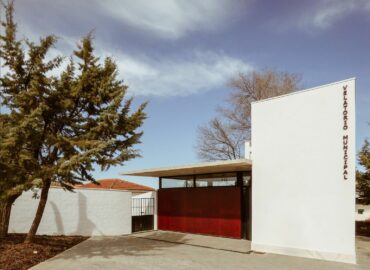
<point x="223" y="137"/>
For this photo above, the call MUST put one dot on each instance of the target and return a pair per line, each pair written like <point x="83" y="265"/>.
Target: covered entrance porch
<point x="211" y="198"/>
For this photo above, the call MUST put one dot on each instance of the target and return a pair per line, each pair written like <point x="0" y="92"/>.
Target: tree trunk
<point x="5" y="210"/>
<point x="40" y="211"/>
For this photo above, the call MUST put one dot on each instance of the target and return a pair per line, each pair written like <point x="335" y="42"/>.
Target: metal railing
<point x="142" y="206"/>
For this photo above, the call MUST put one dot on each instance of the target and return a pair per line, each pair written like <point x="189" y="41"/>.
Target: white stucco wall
<point x="301" y="203"/>
<point x="150" y="194"/>
<point x="365" y="214"/>
<point x="85" y="212"/>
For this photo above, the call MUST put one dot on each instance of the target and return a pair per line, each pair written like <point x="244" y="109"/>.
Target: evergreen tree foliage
<point x="17" y="163"/>
<point x="78" y="118"/>
<point x="363" y="177"/>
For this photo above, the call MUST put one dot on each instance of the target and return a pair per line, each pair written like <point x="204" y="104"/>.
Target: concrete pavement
<point x="143" y="252"/>
<point x="220" y="243"/>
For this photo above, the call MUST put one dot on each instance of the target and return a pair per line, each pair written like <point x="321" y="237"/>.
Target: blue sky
<point x="178" y="55"/>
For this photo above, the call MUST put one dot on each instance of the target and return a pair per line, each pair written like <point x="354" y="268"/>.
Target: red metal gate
<point x="202" y="210"/>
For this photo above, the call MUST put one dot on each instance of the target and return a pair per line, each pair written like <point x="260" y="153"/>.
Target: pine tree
<point x="81" y="118"/>
<point x="363" y="177"/>
<point x="17" y="162"/>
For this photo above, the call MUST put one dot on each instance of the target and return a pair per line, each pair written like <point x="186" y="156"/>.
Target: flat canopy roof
<point x="236" y="165"/>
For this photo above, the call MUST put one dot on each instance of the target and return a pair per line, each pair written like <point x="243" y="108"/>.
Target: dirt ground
<point x="15" y="255"/>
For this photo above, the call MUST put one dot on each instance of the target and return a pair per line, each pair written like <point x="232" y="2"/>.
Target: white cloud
<point x="172" y="18"/>
<point x="147" y="76"/>
<point x="327" y="12"/>
<point x="167" y="75"/>
<point x="330" y="11"/>
<point x="202" y="72"/>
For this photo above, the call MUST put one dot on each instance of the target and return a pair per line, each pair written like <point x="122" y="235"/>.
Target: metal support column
<point x="243" y="205"/>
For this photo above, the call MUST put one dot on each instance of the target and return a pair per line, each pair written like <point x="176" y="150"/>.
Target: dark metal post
<point x="194" y="181"/>
<point x="243" y="205"/>
<point x="160" y="182"/>
<point x="239" y="179"/>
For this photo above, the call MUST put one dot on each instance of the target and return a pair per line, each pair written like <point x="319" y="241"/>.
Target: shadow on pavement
<point x="119" y="245"/>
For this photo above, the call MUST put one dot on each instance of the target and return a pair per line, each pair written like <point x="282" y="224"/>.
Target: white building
<point x="294" y="194"/>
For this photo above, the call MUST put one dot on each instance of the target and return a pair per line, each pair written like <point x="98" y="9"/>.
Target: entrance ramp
<point x="212" y="242"/>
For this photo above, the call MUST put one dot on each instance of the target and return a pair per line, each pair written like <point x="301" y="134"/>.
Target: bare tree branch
<point x="222" y="138"/>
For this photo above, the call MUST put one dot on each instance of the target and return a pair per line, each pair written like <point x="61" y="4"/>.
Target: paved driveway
<point x="183" y="251"/>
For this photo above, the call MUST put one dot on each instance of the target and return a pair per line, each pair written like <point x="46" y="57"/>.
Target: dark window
<point x="206" y="180"/>
<point x="177" y="182"/>
<point x="216" y="180"/>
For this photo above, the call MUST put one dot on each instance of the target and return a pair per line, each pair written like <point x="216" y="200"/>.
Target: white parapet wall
<point x="85" y="212"/>
<point x="303" y="191"/>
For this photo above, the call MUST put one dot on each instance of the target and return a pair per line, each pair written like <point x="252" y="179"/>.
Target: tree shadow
<point x="57" y="218"/>
<point x="111" y="246"/>
<point x="84" y="226"/>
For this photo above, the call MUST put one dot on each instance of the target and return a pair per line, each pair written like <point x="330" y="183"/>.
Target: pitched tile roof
<point x="116" y="184"/>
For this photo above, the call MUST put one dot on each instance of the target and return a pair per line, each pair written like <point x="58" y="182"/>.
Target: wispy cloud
<point x="322" y="15"/>
<point x="173" y="19"/>
<point x="165" y="75"/>
<point x="202" y="71"/>
<point x="328" y="12"/>
<point x="148" y="73"/>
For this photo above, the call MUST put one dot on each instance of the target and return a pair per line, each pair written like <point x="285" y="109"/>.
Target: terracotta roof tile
<point x="116" y="184"/>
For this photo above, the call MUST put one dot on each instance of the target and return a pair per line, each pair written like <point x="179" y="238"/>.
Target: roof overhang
<point x="236" y="165"/>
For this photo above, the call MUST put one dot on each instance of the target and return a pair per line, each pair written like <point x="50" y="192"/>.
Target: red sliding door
<point x="201" y="210"/>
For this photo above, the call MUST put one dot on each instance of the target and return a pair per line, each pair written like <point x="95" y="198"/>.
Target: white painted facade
<point x="83" y="212"/>
<point x="301" y="203"/>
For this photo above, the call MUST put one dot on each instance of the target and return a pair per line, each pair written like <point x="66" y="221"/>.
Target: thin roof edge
<point x="303" y="90"/>
<point x="195" y="165"/>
